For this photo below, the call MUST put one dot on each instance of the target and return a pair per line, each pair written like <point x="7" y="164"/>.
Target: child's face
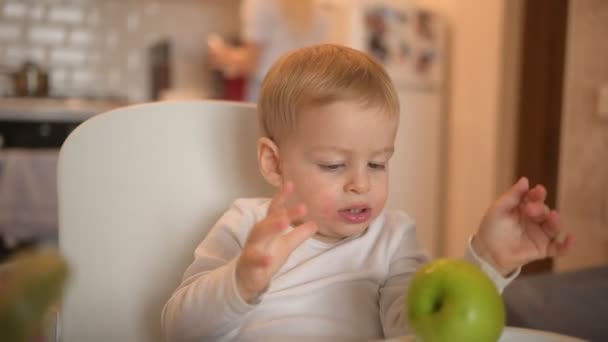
<point x="337" y="158"/>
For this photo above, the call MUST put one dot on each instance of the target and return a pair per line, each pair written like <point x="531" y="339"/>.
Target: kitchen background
<point x="101" y="49"/>
<point x="103" y="53"/>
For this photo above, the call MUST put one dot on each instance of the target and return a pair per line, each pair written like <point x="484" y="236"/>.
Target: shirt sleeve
<point x="404" y="262"/>
<point x="500" y="281"/>
<point x="207" y="304"/>
<point x="256" y="23"/>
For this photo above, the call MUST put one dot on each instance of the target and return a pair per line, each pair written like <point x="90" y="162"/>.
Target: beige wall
<point x="583" y="181"/>
<point x="482" y="98"/>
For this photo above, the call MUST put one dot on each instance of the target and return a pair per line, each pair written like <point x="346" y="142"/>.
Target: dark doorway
<point x="540" y="99"/>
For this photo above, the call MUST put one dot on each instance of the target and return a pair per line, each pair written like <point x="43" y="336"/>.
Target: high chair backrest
<point x="138" y="189"/>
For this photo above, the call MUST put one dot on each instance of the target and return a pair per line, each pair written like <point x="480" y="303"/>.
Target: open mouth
<point x="355" y="214"/>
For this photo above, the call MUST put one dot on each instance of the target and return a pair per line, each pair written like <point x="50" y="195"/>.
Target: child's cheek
<point x="327" y="204"/>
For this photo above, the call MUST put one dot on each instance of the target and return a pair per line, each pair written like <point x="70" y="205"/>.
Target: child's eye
<point x="376" y="166"/>
<point x="331" y="167"/>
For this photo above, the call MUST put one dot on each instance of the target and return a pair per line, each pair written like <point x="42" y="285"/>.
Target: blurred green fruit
<point x="30" y="285"/>
<point x="453" y="300"/>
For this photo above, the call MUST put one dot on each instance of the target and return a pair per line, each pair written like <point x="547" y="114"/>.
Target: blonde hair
<point x="320" y="75"/>
<point x="297" y="14"/>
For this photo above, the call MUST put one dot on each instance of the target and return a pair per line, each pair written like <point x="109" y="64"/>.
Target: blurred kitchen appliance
<point x="31" y="80"/>
<point x="159" y="56"/>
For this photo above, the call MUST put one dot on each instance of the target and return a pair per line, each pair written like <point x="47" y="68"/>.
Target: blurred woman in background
<point x="270" y="28"/>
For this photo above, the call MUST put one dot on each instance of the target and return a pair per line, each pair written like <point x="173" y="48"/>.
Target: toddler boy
<point x="323" y="259"/>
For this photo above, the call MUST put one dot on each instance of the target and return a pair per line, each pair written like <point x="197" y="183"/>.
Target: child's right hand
<point x="268" y="245"/>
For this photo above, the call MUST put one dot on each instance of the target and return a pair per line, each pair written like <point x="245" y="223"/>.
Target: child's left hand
<point x="520" y="228"/>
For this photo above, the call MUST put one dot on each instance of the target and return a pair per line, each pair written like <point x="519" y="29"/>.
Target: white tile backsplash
<point x="58" y="75"/>
<point x="151" y="8"/>
<point x="93" y="17"/>
<point x="83" y="77"/>
<point x="16" y="53"/>
<point x="99" y="47"/>
<point x="133" y="22"/>
<point x="45" y="34"/>
<point x="93" y="58"/>
<point x="134" y="60"/>
<point x="65" y="14"/>
<point x="111" y="40"/>
<point x="14" y="9"/>
<point x="113" y="79"/>
<point x="67" y="56"/>
<point x="9" y="32"/>
<point x="37" y="12"/>
<point x="80" y="37"/>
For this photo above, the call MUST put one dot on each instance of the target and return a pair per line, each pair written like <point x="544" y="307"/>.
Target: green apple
<point x="453" y="300"/>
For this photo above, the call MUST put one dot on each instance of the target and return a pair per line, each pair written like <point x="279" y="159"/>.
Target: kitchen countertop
<point x="53" y="109"/>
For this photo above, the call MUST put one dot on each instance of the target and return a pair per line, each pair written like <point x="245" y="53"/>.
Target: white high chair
<point x="138" y="189"/>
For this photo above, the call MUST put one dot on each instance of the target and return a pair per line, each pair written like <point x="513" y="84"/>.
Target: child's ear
<point x="269" y="161"/>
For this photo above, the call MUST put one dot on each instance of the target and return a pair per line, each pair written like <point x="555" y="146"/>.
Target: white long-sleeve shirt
<point x="353" y="290"/>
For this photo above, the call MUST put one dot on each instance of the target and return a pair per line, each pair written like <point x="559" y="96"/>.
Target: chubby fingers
<point x="511" y="199"/>
<point x="275" y="224"/>
<point x="536" y="194"/>
<point x="534" y="206"/>
<point x="559" y="241"/>
<point x="536" y="212"/>
<point x="559" y="248"/>
<point x="300" y="234"/>
<point x="552" y="227"/>
<point x="279" y="200"/>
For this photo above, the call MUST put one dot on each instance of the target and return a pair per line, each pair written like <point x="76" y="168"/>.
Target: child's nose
<point x="358" y="183"/>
